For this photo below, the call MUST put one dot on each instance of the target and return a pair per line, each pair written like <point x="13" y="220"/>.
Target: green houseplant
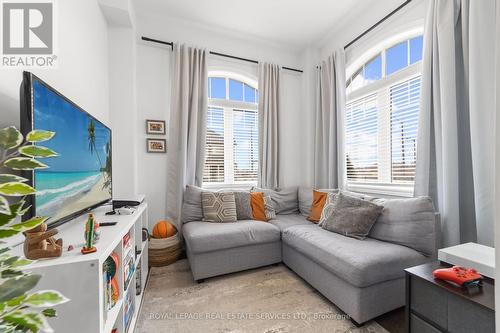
<point x="20" y="309"/>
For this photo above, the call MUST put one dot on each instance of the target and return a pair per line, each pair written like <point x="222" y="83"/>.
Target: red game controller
<point x="461" y="276"/>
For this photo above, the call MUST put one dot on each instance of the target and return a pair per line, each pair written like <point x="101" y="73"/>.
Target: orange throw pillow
<point x="319" y="199"/>
<point x="258" y="206"/>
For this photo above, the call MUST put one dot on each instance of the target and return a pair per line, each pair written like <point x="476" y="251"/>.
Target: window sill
<point x="383" y="190"/>
<point x="240" y="186"/>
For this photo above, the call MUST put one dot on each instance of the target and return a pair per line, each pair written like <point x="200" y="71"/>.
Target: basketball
<point x="164" y="229"/>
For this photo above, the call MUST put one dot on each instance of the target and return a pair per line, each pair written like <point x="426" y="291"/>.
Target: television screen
<point x="80" y="177"/>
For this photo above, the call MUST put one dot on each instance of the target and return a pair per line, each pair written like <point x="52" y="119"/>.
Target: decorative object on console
<point x="97" y="232"/>
<point x="89" y="236"/>
<point x="155" y="127"/>
<point x="460" y="276"/>
<point x="164" y="229"/>
<point x="477" y="256"/>
<point x="353" y="217"/>
<point x="40" y="243"/>
<point x="156" y="145"/>
<point x="145" y="234"/>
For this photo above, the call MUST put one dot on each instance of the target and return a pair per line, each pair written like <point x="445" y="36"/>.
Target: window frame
<point x="229" y="106"/>
<point x="383" y="186"/>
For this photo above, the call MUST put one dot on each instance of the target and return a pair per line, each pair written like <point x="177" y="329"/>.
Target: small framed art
<point x="157" y="145"/>
<point x="155" y="127"/>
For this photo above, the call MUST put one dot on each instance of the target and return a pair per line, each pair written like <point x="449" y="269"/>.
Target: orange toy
<point x="164" y="229"/>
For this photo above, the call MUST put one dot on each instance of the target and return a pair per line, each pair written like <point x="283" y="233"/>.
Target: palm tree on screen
<point x="91" y="138"/>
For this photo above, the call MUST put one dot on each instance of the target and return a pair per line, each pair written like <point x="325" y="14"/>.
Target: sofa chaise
<point x="364" y="278"/>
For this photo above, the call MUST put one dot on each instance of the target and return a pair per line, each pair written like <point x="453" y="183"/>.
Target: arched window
<point x="383" y="104"/>
<point x="232" y="131"/>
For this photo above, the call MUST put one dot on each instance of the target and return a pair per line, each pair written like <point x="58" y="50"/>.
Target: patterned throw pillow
<point x="218" y="207"/>
<point x="268" y="204"/>
<point x="327" y="208"/>
<point x="243" y="207"/>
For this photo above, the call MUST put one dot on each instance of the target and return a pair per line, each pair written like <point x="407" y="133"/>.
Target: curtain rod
<point x="377" y="24"/>
<point x="171" y="44"/>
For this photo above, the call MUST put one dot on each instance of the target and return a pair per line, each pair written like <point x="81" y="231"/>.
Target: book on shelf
<point x="128" y="269"/>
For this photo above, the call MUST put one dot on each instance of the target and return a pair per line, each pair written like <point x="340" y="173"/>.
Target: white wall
<point x="153" y="100"/>
<point x="82" y="75"/>
<point x="153" y="78"/>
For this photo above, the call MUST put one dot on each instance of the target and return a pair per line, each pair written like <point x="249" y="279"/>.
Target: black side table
<point x="434" y="305"/>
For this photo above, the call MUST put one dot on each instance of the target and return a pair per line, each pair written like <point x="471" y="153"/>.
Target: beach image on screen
<point x="80" y="177"/>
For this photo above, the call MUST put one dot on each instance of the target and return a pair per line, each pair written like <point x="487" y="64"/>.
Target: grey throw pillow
<point x="243" y="207"/>
<point x="191" y="205"/>
<point x="350" y="216"/>
<point x="218" y="207"/>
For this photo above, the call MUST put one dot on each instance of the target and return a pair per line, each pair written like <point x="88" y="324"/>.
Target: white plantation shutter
<point x="214" y="163"/>
<point x="405" y="106"/>
<point x="361" y="139"/>
<point x="381" y="134"/>
<point x="245" y="145"/>
<point x="232" y="150"/>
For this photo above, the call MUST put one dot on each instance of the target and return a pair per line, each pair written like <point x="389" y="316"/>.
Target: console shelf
<point x="81" y="278"/>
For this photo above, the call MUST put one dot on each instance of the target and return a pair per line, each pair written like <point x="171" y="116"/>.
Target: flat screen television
<point x="80" y="178"/>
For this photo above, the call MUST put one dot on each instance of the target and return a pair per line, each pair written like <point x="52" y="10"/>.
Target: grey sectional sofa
<point x="364" y="278"/>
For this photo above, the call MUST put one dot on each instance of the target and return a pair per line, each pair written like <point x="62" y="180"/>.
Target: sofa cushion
<point x="191" y="205"/>
<point x="410" y="222"/>
<point x="204" y="237"/>
<point x="349" y="216"/>
<point x="319" y="200"/>
<point x="285" y="200"/>
<point x="289" y="220"/>
<point x="359" y="262"/>
<point x="305" y="196"/>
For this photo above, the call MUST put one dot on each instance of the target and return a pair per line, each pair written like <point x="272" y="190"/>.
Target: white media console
<point x="81" y="279"/>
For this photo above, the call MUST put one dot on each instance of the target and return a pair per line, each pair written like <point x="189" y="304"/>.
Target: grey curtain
<point x="329" y="167"/>
<point x="187" y="126"/>
<point x="269" y="112"/>
<point x="455" y="156"/>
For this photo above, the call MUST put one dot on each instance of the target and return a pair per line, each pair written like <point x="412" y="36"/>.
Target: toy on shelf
<point x="112" y="290"/>
<point x="461" y="276"/>
<point x="90" y="227"/>
<point x="97" y="231"/>
<point x="40" y="243"/>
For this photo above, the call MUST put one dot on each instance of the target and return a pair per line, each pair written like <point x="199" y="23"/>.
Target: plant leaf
<point x="16" y="300"/>
<point x="28" y="321"/>
<point x="37" y="151"/>
<point x="4" y="206"/>
<point x="49" y="313"/>
<point x="10" y="273"/>
<point x="21" y="263"/>
<point x="45" y="298"/>
<point x="6" y="233"/>
<point x="15" y="210"/>
<point x="39" y="136"/>
<point x="24" y="163"/>
<point x="18" y="286"/>
<point x="8" y="178"/>
<point x="10" y="138"/>
<point x="15" y="189"/>
<point x="29" y="224"/>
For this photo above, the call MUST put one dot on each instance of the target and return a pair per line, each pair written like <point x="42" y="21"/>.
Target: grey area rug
<point x="271" y="299"/>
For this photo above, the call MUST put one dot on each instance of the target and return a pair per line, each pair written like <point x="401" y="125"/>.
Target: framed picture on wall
<point x="155" y="127"/>
<point x="157" y="145"/>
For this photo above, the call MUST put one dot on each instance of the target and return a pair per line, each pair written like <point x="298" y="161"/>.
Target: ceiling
<point x="292" y="23"/>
